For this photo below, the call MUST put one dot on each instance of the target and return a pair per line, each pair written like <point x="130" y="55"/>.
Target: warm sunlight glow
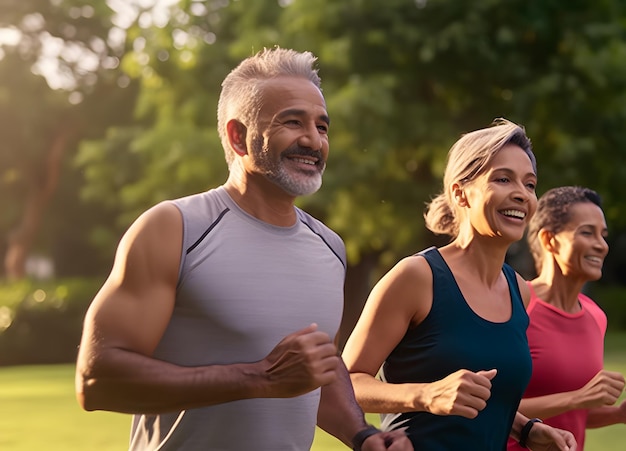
<point x="150" y="12"/>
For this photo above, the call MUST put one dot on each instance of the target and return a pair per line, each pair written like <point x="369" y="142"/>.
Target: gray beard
<point x="296" y="187"/>
<point x="293" y="182"/>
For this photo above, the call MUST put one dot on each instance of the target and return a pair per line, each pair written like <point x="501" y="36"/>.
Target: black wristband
<point x="362" y="435"/>
<point x="523" y="435"/>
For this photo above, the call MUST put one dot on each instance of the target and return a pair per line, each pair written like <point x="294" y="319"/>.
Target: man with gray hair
<point x="217" y="326"/>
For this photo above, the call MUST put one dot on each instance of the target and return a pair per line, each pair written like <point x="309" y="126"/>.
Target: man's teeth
<point x="305" y="161"/>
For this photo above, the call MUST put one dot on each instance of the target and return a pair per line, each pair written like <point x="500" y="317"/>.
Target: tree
<point x="58" y="87"/>
<point x="402" y="81"/>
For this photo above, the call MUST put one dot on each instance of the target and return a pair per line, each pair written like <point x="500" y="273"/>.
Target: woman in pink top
<point x="569" y="388"/>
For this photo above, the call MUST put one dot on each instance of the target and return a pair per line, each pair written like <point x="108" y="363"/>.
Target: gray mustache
<point x="301" y="151"/>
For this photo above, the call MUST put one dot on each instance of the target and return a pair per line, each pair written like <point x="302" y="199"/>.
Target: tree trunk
<point x="21" y="238"/>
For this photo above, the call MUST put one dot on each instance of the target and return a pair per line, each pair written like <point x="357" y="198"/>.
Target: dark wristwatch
<point x="362" y="435"/>
<point x="523" y="435"/>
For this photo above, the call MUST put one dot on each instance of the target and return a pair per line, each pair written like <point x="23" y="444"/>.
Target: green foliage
<point x="41" y="322"/>
<point x="403" y="80"/>
<point x="612" y="299"/>
<point x="43" y="118"/>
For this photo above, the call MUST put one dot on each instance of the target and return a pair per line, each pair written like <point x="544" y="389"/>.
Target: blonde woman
<point x="448" y="325"/>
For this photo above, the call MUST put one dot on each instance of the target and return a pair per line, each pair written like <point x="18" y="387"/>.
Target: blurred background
<point x="108" y="107"/>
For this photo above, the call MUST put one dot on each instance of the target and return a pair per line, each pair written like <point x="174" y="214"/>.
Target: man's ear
<point x="458" y="195"/>
<point x="236" y="133"/>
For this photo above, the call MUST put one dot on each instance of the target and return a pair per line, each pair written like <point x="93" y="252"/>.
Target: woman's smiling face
<point x="580" y="247"/>
<point x="502" y="199"/>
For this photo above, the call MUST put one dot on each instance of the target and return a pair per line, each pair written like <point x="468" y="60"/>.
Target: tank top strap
<point x="511" y="278"/>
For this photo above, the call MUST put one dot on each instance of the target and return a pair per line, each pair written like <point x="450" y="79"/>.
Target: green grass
<point x="611" y="438"/>
<point x="38" y="411"/>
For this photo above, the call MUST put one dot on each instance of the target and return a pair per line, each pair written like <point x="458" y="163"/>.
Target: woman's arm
<point x="538" y="436"/>
<point x="601" y="391"/>
<point x="607" y="416"/>
<point x="401" y="299"/>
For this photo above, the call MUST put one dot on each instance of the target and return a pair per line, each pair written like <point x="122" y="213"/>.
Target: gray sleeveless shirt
<point x="243" y="286"/>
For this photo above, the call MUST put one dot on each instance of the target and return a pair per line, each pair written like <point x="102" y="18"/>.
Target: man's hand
<point x="301" y="362"/>
<point x="391" y="440"/>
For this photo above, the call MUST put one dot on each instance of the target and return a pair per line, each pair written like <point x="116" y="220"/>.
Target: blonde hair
<point x="467" y="159"/>
<point x="241" y="93"/>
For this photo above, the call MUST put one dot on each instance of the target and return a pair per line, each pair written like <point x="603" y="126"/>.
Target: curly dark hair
<point x="553" y="213"/>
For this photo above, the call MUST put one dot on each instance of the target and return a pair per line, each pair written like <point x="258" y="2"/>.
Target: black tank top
<point x="453" y="337"/>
